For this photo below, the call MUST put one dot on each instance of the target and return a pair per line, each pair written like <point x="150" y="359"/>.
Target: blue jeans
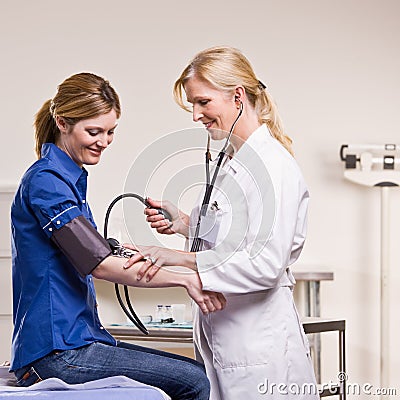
<point x="180" y="377"/>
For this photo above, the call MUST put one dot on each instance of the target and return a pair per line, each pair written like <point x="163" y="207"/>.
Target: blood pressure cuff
<point x="84" y="247"/>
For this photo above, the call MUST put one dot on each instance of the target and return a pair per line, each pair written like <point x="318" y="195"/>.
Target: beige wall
<point x="333" y="68"/>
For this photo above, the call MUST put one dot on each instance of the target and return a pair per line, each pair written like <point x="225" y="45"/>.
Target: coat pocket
<point x="214" y="222"/>
<point x="242" y="334"/>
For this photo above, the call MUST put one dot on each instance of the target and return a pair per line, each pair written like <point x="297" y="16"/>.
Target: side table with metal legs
<point x="312" y="281"/>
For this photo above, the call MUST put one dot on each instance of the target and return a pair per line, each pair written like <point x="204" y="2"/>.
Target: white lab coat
<point x="254" y="229"/>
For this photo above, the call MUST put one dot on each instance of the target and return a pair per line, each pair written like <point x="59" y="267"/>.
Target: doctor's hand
<point x="157" y="257"/>
<point x="179" y="223"/>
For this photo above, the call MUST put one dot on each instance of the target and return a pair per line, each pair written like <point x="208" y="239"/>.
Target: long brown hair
<point x="79" y="97"/>
<point x="225" y="68"/>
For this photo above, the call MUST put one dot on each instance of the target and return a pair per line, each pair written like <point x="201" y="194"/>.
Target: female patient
<point x="56" y="251"/>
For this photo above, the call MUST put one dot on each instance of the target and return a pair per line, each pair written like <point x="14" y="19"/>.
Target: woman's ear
<point x="61" y="124"/>
<point x="240" y="94"/>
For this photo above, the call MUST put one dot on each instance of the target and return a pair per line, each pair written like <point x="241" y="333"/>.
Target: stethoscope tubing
<point x="196" y="244"/>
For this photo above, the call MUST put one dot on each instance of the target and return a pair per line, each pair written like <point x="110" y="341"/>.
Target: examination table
<point x="116" y="387"/>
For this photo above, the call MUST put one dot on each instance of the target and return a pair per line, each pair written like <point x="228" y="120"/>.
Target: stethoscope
<point x="196" y="245"/>
<point x="118" y="250"/>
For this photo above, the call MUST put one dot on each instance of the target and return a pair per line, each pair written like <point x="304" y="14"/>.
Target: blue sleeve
<point x="52" y="200"/>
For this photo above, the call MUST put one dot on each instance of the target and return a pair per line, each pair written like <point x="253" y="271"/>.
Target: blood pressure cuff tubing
<point x="84" y="247"/>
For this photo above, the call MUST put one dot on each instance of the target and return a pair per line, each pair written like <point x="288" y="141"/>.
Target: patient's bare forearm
<point x="111" y="269"/>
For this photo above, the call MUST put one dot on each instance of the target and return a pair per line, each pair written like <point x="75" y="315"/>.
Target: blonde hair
<point x="225" y="68"/>
<point x="79" y="97"/>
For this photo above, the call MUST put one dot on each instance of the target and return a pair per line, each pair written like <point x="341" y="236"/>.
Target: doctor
<point x="253" y="230"/>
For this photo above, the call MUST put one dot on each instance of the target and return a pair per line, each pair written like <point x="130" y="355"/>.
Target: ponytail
<point x="46" y="129"/>
<point x="225" y="68"/>
<point x="268" y="114"/>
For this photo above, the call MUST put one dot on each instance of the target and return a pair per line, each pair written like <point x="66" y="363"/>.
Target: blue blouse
<point x="54" y="308"/>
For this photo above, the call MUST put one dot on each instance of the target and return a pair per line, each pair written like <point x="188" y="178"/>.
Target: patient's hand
<point x="157" y="257"/>
<point x="207" y="301"/>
